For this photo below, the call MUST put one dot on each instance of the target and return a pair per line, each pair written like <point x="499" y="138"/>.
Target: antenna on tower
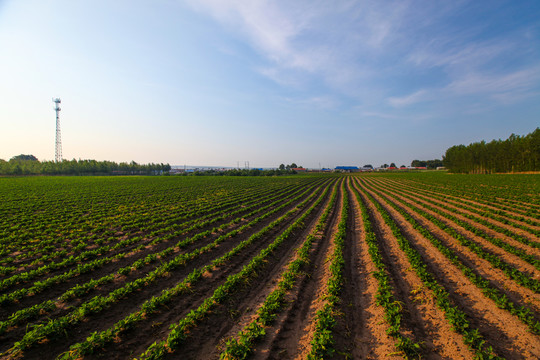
<point x="58" y="149"/>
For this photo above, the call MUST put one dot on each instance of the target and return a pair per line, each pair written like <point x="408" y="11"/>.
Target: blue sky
<point x="208" y="82"/>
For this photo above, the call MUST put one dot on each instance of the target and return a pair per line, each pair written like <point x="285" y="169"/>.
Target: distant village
<point x="337" y="169"/>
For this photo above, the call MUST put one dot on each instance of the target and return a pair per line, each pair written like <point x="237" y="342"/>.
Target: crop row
<point x="456" y="208"/>
<point x="511" y="271"/>
<point x="455" y="316"/>
<point x="241" y="346"/>
<point x="250" y="271"/>
<point x="385" y="291"/>
<point x="81" y="289"/>
<point x="325" y="319"/>
<point x="481" y="208"/>
<point x="496" y="295"/>
<point x="92" y="265"/>
<point x="149" y="224"/>
<point x="99" y="303"/>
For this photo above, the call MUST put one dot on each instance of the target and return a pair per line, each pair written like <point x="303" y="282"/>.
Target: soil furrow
<point x="517" y="293"/>
<point x="121" y="309"/>
<point x="505" y="333"/>
<point x="294" y="328"/>
<point x="423" y="319"/>
<point x="361" y="331"/>
<point x="479" y="207"/>
<point x="486" y="229"/>
<point x="516" y="261"/>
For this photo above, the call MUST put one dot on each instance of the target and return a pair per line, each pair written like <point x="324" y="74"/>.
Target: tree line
<point x="429" y="164"/>
<point x="515" y="154"/>
<point x="30" y="165"/>
<point x="241" y="172"/>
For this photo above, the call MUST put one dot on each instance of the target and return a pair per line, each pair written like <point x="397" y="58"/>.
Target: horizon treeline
<point x="515" y="154"/>
<point x="29" y="165"/>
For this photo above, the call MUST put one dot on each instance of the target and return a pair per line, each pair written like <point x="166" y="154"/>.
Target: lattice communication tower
<point x="58" y="149"/>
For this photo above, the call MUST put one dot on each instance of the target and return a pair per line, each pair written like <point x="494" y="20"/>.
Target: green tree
<point x="25" y="157"/>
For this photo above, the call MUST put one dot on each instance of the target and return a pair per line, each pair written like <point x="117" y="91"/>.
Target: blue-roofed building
<point x="346" y="168"/>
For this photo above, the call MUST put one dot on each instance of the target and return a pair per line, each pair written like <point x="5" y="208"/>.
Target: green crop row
<point x="455" y="316"/>
<point x="99" y="303"/>
<point x="325" y="319"/>
<point x="163" y="225"/>
<point x="508" y="269"/>
<point x="99" y="339"/>
<point x="500" y="299"/>
<point x="241" y="346"/>
<point x="80" y="289"/>
<point x="497" y="214"/>
<point x="476" y="219"/>
<point x="179" y="331"/>
<point x="393" y="308"/>
<point x="84" y="268"/>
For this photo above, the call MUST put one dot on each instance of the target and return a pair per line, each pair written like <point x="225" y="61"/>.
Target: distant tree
<point x="430" y="164"/>
<point x="433" y="164"/>
<point x="25" y="165"/>
<point x="515" y="154"/>
<point x="384" y="166"/>
<point x="393" y="165"/>
<point x="293" y="165"/>
<point x="25" y="157"/>
<point x="368" y="166"/>
<point x="282" y="167"/>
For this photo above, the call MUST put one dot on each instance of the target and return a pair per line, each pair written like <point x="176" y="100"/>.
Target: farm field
<point x="356" y="266"/>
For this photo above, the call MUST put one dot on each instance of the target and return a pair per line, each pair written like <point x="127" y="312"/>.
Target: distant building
<point x="346" y="168"/>
<point x="299" y="170"/>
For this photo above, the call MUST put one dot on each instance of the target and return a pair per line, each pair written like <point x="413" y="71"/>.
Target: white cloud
<point x="475" y="83"/>
<point x="445" y="54"/>
<point x="315" y="37"/>
<point x="321" y="102"/>
<point x="357" y="47"/>
<point x="413" y="98"/>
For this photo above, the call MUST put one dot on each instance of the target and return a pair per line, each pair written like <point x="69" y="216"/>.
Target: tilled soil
<point x="361" y="328"/>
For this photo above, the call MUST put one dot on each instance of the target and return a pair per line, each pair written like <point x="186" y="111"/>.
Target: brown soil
<point x="508" y="257"/>
<point x="291" y="338"/>
<point x="487" y="230"/>
<point x="504" y="332"/>
<point x="121" y="309"/>
<point x="423" y="320"/>
<point x="361" y="331"/>
<point x="498" y="279"/>
<point x="471" y="203"/>
<point x="248" y="302"/>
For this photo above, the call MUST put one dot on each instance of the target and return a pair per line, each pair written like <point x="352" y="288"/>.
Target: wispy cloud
<point x="321" y="102"/>
<point x="335" y="41"/>
<point x="413" y="98"/>
<point x="475" y="83"/>
<point x="358" y="48"/>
